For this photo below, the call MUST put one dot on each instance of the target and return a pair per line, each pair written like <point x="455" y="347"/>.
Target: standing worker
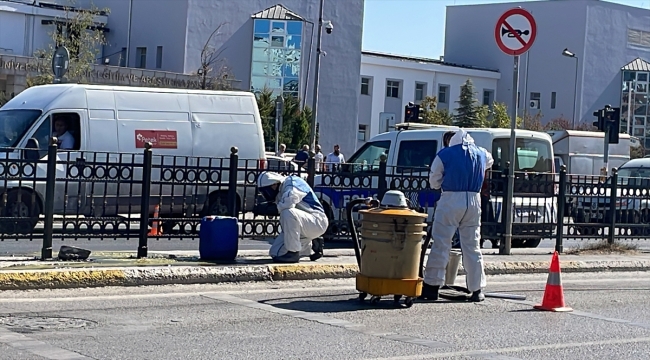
<point x="302" y="217"/>
<point x="459" y="171"/>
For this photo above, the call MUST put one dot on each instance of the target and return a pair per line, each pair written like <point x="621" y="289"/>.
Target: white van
<point x="410" y="150"/>
<point x="181" y="124"/>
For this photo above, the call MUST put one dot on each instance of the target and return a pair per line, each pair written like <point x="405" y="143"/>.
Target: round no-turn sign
<point x="515" y="31"/>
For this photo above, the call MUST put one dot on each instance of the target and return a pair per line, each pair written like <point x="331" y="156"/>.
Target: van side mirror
<point x="32" y="150"/>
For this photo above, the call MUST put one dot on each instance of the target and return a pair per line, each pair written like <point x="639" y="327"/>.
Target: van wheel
<point x="26" y="209"/>
<point x="532" y="243"/>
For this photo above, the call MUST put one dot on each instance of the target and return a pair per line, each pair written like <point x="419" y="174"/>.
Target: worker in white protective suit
<point x="458" y="171"/>
<point x="302" y="217"/>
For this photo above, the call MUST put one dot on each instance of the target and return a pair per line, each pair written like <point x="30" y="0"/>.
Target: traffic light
<point x="613" y="120"/>
<point x="599" y="124"/>
<point x="412" y="113"/>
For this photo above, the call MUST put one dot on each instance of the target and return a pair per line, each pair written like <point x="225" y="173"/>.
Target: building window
<point x="535" y="99"/>
<point x="488" y="97"/>
<point x="141" y="57"/>
<point x="553" y="99"/>
<point x="159" y="54"/>
<point x="392" y="89"/>
<point x="276" y="60"/>
<point x="443" y="94"/>
<point x="638" y="38"/>
<point x="635" y="103"/>
<point x="365" y="86"/>
<point x="361" y="134"/>
<point x="420" y="91"/>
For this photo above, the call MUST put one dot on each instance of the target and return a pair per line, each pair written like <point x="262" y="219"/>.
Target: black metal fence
<point x="148" y="197"/>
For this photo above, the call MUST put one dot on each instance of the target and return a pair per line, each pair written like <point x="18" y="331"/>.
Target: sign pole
<point x="514" y="33"/>
<point x="504" y="249"/>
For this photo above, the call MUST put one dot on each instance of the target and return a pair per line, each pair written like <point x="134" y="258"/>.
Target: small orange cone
<point x="554" y="294"/>
<point x="155" y="230"/>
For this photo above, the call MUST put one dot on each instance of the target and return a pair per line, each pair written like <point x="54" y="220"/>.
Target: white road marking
<point x="42" y="349"/>
<point x="518" y="349"/>
<point x="315" y="288"/>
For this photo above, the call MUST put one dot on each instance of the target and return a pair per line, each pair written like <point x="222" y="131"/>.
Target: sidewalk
<point x="185" y="267"/>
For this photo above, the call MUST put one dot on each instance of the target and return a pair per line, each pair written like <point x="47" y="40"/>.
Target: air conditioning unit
<point x="533" y="104"/>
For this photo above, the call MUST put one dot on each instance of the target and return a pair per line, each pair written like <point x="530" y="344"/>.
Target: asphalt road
<point x="324" y="320"/>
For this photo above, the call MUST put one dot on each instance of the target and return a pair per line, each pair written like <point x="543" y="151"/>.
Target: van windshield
<point x="533" y="155"/>
<point x="368" y="157"/>
<point x="14" y="124"/>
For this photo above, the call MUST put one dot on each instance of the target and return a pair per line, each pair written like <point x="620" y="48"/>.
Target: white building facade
<point x="390" y="82"/>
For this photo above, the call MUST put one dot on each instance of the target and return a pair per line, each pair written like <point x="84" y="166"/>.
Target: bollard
<point x="612" y="207"/>
<point x="143" y="247"/>
<point x="232" y="182"/>
<point x="382" y="186"/>
<point x="561" y="202"/>
<point x="48" y="211"/>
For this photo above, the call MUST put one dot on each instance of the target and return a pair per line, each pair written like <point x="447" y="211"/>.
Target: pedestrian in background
<point x="281" y="149"/>
<point x="302" y="156"/>
<point x="335" y="159"/>
<point x="319" y="157"/>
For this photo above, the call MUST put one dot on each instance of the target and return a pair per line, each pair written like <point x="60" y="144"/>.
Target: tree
<point x="77" y="31"/>
<point x="214" y="73"/>
<point x="531" y="122"/>
<point x="468" y="113"/>
<point x="500" y="117"/>
<point x="431" y="115"/>
<point x="295" y="121"/>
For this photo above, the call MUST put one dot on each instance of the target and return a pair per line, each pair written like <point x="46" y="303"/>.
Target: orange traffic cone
<point x="554" y="294"/>
<point x="155" y="229"/>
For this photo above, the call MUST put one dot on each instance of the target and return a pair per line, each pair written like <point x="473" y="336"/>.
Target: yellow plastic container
<point x="391" y="243"/>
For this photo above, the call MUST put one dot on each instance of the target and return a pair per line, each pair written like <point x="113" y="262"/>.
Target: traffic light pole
<point x="606" y="151"/>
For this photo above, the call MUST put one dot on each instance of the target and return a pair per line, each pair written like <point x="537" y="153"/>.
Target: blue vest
<point x="464" y="168"/>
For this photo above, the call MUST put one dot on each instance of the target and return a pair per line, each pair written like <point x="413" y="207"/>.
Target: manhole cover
<point x="28" y="324"/>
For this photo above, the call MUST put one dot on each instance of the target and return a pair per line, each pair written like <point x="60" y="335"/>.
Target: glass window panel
<point x="260" y="54"/>
<point x="629" y="76"/>
<point x="639" y="131"/>
<point x="277" y="41"/>
<point x="642" y="76"/>
<point x="291" y="84"/>
<point x="260" y="68"/>
<point x="640" y="104"/>
<point x="261" y="40"/>
<point x="258" y="83"/>
<point x="294" y="41"/>
<point x="294" y="27"/>
<point x="275" y="83"/>
<point x="292" y="70"/>
<point x="292" y="57"/>
<point x="275" y="70"/>
<point x="262" y="26"/>
<point x="277" y="56"/>
<point x="647" y="143"/>
<point x="641" y="87"/>
<point x="278" y="26"/>
<point x="639" y="121"/>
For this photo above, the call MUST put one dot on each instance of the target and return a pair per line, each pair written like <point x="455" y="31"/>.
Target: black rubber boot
<point x="290" y="257"/>
<point x="317" y="246"/>
<point x="477" y="296"/>
<point x="429" y="292"/>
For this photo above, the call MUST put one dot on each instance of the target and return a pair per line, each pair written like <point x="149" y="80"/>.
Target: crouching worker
<point x="459" y="171"/>
<point x="302" y="217"/>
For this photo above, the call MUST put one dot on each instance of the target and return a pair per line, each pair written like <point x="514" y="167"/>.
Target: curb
<point x="139" y="276"/>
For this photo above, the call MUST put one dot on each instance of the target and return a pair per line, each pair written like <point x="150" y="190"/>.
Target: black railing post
<point x="505" y="245"/>
<point x="48" y="211"/>
<point x="561" y="203"/>
<point x="613" y="196"/>
<point x="311" y="169"/>
<point x="232" y="182"/>
<point x="143" y="247"/>
<point x="382" y="186"/>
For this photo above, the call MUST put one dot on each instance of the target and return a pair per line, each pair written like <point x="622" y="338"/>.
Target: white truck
<point x="582" y="151"/>
<point x="189" y="127"/>
<point x="410" y="150"/>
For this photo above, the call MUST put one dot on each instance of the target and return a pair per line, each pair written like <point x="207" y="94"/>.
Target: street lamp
<point x="568" y="53"/>
<point x="329" y="27"/>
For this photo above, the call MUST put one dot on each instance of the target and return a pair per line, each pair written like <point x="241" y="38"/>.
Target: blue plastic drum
<point x="219" y="238"/>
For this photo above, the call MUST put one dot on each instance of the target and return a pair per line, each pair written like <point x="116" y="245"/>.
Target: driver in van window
<point x="66" y="141"/>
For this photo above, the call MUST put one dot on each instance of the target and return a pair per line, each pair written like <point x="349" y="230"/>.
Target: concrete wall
<point x="408" y="73"/>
